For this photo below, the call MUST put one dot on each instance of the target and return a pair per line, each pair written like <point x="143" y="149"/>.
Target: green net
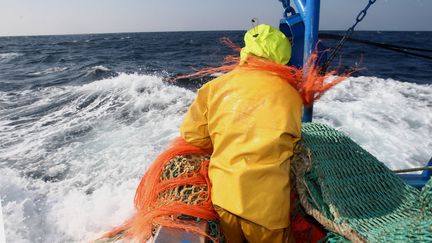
<point x="354" y="195"/>
<point x="426" y="199"/>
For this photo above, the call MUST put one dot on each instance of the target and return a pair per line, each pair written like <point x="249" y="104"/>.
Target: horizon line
<point x="175" y="31"/>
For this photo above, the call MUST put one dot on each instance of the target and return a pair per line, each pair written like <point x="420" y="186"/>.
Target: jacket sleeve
<point x="194" y="128"/>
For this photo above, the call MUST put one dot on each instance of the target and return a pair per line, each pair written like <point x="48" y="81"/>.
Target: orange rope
<point x="149" y="212"/>
<point x="310" y="84"/>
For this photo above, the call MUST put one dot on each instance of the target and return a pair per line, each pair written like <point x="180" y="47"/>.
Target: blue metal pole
<point x="300" y="4"/>
<point x="311" y="20"/>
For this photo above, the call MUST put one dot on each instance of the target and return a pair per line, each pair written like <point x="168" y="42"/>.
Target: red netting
<point x="176" y="184"/>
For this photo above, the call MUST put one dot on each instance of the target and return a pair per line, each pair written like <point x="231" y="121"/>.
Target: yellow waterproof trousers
<point x="239" y="230"/>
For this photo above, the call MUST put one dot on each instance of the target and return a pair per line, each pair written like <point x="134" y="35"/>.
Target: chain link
<point x="285" y="3"/>
<point x="288" y="9"/>
<point x="346" y="36"/>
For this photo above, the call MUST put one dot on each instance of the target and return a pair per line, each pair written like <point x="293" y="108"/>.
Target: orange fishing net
<point x="176" y="184"/>
<point x="308" y="81"/>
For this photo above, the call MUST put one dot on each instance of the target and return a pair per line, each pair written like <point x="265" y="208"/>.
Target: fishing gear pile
<point x="353" y="194"/>
<point x="176" y="184"/>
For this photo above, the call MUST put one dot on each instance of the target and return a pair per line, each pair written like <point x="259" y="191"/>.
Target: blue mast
<point x="311" y="37"/>
<point x="302" y="28"/>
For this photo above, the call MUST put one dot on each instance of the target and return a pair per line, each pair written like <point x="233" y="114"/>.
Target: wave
<point x="101" y="68"/>
<point x="6" y="57"/>
<point x="49" y="71"/>
<point x="97" y="70"/>
<point x="78" y="147"/>
<point x="73" y="155"/>
<point x="390" y="119"/>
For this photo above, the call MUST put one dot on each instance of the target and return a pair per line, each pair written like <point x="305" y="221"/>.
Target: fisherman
<point x="252" y="121"/>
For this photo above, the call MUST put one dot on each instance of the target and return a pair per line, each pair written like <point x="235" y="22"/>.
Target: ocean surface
<point x="83" y="116"/>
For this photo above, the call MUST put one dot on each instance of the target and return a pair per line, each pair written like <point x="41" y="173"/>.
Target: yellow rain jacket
<point x="252" y="120"/>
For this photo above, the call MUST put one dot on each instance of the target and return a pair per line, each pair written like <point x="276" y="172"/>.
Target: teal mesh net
<point x="356" y="196"/>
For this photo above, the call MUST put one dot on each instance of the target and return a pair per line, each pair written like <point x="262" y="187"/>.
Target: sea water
<point x="83" y="116"/>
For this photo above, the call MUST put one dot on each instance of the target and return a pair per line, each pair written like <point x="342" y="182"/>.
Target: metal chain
<point x="288" y="9"/>
<point x="346" y="36"/>
<point x="285" y="3"/>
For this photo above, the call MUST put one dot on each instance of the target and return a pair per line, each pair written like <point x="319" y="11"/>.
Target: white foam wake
<point x="390" y="119"/>
<point x="2" y="233"/>
<point x="70" y="173"/>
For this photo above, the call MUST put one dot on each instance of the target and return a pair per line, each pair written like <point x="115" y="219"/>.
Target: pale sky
<point x="45" y="17"/>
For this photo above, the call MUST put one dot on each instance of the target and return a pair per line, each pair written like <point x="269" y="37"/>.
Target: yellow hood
<point x="267" y="42"/>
